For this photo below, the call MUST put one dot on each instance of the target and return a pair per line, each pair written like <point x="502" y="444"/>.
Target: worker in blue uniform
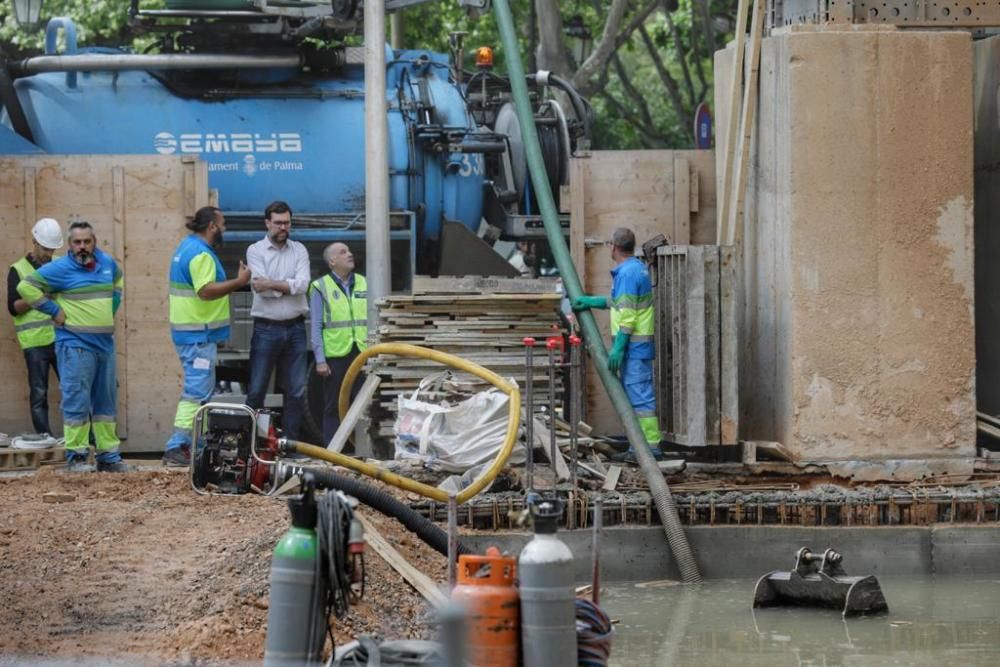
<point x="199" y="321"/>
<point x="82" y="292"/>
<point x="632" y="326"/>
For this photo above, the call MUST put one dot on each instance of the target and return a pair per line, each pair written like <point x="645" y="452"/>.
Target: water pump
<point x="233" y="450"/>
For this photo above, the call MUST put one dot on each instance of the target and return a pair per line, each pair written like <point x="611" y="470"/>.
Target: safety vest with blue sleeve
<point x="632" y="307"/>
<point x="193" y="319"/>
<point x="88" y="297"/>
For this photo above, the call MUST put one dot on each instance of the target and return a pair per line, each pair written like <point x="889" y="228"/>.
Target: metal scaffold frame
<point x="902" y="13"/>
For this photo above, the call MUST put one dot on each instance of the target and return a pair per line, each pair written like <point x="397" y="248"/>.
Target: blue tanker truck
<point x="271" y="95"/>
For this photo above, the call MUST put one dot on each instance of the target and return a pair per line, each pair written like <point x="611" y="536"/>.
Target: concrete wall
<point x="987" y="174"/>
<point x="857" y="268"/>
<point x="723" y="552"/>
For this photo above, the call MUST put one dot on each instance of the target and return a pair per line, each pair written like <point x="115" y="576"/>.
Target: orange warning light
<point x="484" y="57"/>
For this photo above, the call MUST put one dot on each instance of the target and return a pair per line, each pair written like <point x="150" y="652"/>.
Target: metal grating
<point x="696" y="371"/>
<point x="905" y="505"/>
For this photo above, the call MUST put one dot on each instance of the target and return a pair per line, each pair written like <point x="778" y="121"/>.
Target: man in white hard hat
<point x="35" y="331"/>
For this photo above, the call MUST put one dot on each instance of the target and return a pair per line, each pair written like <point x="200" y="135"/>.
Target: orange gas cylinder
<point x="486" y="590"/>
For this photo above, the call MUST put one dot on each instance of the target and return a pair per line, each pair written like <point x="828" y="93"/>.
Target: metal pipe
<point x="679" y="546"/>
<point x="550" y="345"/>
<point x="575" y="388"/>
<point x="451" y="635"/>
<point x="103" y="62"/>
<point x="396" y="29"/>
<point x="529" y="411"/>
<point x="595" y="577"/>
<point x="452" y="542"/>
<point x="377" y="247"/>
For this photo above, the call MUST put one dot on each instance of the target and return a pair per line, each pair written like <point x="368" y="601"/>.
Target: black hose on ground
<point x="384" y="503"/>
<point x="10" y="102"/>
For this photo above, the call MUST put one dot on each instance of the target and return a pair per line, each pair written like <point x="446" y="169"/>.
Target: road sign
<point x="702" y="127"/>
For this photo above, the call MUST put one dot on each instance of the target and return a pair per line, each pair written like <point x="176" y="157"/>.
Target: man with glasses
<point x="82" y="292"/>
<point x="280" y="270"/>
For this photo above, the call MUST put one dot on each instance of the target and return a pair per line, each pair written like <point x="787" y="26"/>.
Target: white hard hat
<point x="48" y="233"/>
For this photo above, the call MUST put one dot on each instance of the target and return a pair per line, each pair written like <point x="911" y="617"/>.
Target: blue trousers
<point x="637" y="378"/>
<point x="281" y="346"/>
<point x="89" y="396"/>
<point x="198" y="363"/>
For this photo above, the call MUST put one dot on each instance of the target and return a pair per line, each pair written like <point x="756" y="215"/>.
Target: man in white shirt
<point x="280" y="270"/>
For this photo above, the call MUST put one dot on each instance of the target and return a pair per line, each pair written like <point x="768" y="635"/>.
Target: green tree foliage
<point x="644" y="93"/>
<point x="99" y="23"/>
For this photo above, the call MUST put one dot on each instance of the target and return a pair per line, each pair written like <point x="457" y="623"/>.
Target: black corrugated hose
<point x="10" y="101"/>
<point x="384" y="503"/>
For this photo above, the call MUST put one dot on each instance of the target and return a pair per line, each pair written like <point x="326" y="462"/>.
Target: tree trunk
<point x="552" y="54"/>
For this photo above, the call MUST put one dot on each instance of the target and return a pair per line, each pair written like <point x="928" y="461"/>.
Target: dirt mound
<point x="138" y="564"/>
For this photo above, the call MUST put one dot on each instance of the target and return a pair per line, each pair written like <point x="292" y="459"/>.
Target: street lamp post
<point x="582" y="42"/>
<point x="27" y="13"/>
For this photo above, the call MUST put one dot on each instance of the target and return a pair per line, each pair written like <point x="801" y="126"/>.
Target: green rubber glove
<point x="617" y="353"/>
<point x="588" y="301"/>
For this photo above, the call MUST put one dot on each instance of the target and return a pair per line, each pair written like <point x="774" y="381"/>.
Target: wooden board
<point x="137" y="206"/>
<point x="356" y="411"/>
<point x="611" y="482"/>
<point x="482" y="285"/>
<point x="541" y="435"/>
<point x="728" y="117"/>
<point x="635" y="189"/>
<point x="732" y="225"/>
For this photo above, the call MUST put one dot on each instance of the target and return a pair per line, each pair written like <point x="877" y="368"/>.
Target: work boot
<point x="78" y="465"/>
<point x="177" y="458"/>
<point x="630" y="458"/>
<point x="117" y="466"/>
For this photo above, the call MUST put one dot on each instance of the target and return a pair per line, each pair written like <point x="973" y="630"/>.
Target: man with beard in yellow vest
<point x="82" y="292"/>
<point x="199" y="321"/>
<point x="35" y="331"/>
<point x="338" y="312"/>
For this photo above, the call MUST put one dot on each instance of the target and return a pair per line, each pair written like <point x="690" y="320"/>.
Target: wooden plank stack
<point x="481" y="320"/>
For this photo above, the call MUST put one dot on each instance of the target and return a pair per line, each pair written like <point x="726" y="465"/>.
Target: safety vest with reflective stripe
<point x="632" y="307"/>
<point x="33" y="327"/>
<point x="193" y="319"/>
<point x="345" y="318"/>
<point x="88" y="297"/>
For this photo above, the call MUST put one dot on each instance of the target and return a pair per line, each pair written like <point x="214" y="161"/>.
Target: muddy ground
<point x="139" y="565"/>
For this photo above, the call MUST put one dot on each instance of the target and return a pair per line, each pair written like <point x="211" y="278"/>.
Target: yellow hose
<point x="404" y="350"/>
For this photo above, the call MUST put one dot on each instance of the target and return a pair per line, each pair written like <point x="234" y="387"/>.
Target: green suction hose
<point x="591" y="334"/>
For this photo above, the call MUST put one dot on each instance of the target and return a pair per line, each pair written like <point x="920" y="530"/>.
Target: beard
<point x="217" y="241"/>
<point x="279" y="237"/>
<point x="83" y="257"/>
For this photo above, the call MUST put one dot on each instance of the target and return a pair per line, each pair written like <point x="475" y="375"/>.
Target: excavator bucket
<point x="819" y="581"/>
